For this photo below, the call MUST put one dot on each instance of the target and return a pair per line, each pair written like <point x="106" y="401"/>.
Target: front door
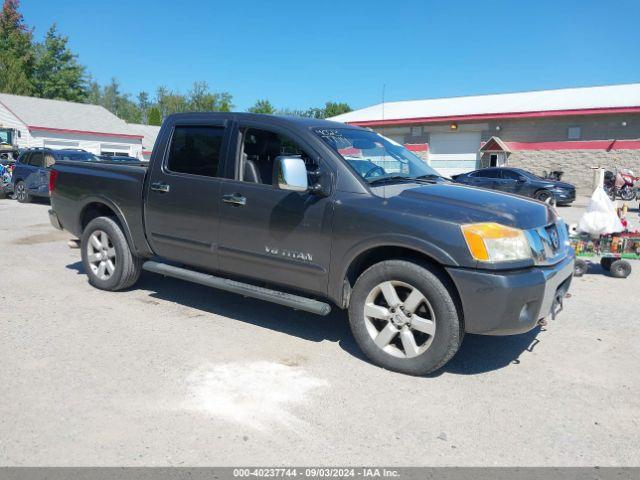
<point x="270" y="234"/>
<point x="182" y="198"/>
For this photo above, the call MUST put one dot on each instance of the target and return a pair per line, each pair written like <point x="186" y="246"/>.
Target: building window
<point x="574" y="133"/>
<point x="416" y="131"/>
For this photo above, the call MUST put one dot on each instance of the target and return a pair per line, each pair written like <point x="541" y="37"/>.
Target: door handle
<point x="235" y="199"/>
<point x="160" y="187"/>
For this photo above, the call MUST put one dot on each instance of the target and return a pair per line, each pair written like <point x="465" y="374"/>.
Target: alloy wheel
<point x="101" y="255"/>
<point x="399" y="319"/>
<point x="20" y="192"/>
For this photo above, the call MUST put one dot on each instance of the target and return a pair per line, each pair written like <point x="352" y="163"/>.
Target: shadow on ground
<point x="478" y="354"/>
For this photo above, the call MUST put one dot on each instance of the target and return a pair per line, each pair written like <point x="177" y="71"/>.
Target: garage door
<point x="455" y="152"/>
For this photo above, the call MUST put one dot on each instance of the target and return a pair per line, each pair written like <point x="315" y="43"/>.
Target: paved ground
<point x="176" y="374"/>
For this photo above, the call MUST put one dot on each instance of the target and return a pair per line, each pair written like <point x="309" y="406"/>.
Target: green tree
<point x="155" y="117"/>
<point x="57" y="73"/>
<point x="143" y="105"/>
<point x="201" y="99"/>
<point x="331" y="109"/>
<point x="262" y="106"/>
<point x="16" y="51"/>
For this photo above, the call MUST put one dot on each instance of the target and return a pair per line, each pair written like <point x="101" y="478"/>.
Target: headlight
<point x="492" y="242"/>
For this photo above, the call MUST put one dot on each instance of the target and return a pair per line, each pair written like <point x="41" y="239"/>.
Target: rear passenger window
<point x="36" y="159"/>
<point x="489" y="173"/>
<point x="196" y="150"/>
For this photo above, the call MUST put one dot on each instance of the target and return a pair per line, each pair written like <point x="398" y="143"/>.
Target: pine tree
<point x="57" y="73"/>
<point x="154" y="118"/>
<point x="16" y="51"/>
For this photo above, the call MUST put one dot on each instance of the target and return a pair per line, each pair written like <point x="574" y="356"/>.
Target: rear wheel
<point x="21" y="194"/>
<point x="106" y="256"/>
<point x="628" y="193"/>
<point x="620" y="269"/>
<point x="404" y="317"/>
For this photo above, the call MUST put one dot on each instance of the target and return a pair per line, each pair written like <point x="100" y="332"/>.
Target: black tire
<point x="21" y="194"/>
<point x="620" y="269"/>
<point x="440" y="294"/>
<point x="544" y="196"/>
<point x="606" y="262"/>
<point x="127" y="266"/>
<point x="580" y="267"/>
<point x="628" y="194"/>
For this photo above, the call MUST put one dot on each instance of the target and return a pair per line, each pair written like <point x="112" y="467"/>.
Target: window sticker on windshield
<point x="329" y="132"/>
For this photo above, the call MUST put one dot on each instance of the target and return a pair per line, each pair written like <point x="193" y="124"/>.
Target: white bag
<point x="601" y="217"/>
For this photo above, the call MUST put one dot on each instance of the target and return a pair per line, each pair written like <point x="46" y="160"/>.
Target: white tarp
<point x="601" y="217"/>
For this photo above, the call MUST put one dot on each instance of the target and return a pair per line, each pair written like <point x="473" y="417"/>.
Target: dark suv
<point x="521" y="182"/>
<point x="31" y="175"/>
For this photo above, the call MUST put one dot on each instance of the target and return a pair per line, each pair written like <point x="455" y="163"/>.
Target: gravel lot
<point x="171" y="373"/>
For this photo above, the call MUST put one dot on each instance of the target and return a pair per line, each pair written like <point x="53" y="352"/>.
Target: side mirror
<point x="290" y="173"/>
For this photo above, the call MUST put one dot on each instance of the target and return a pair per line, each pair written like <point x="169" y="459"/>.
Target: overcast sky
<point x="301" y="53"/>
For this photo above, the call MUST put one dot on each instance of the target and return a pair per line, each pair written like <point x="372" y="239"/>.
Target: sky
<point x="300" y="54"/>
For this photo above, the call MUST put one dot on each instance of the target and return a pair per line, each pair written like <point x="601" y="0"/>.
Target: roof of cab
<point x="303" y="122"/>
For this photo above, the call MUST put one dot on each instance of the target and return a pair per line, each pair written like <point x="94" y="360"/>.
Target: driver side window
<point x="260" y="148"/>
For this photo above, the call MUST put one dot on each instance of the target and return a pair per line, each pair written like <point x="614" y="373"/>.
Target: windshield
<point x="374" y="157"/>
<point x="77" y="156"/>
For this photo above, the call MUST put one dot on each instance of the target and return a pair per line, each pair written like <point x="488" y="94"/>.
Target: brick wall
<point x="576" y="164"/>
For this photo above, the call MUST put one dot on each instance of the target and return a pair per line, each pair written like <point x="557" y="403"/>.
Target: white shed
<point x="59" y="124"/>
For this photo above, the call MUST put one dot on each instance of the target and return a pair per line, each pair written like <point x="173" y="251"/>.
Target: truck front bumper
<point x="511" y="302"/>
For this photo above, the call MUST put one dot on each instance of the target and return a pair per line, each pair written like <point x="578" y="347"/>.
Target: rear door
<point x="36" y="179"/>
<point x="183" y="190"/>
<point x="274" y="235"/>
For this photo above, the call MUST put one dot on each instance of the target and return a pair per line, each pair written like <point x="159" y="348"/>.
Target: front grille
<point x="549" y="244"/>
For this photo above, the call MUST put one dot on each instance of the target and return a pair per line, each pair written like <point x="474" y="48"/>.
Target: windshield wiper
<point x="389" y="179"/>
<point x="430" y="176"/>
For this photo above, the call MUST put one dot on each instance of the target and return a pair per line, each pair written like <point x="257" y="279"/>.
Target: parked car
<point x="521" y="182"/>
<point x="268" y="207"/>
<point x="31" y="174"/>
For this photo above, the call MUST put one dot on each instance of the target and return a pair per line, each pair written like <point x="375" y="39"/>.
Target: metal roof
<point x="566" y="101"/>
<point x="66" y="117"/>
<point x="149" y="134"/>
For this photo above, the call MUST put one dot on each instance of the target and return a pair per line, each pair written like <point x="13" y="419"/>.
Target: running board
<point x="287" y="299"/>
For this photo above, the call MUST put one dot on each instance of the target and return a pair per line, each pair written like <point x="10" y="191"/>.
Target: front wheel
<point x="544" y="196"/>
<point x="106" y="256"/>
<point x="404" y="317"/>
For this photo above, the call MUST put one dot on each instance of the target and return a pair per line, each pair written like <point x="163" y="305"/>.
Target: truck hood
<point x="462" y="204"/>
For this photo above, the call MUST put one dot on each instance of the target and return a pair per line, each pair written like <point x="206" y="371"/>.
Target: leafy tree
<point x="201" y="99"/>
<point x="262" y="106"/>
<point x="289" y="112"/>
<point x="143" y="104"/>
<point x="331" y="109"/>
<point x="57" y="73"/>
<point x="155" y="117"/>
<point x="16" y="51"/>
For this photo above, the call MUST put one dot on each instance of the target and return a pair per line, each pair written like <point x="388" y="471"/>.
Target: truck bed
<point x="119" y="185"/>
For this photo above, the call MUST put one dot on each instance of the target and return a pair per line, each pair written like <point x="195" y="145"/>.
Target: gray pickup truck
<point x="309" y="214"/>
